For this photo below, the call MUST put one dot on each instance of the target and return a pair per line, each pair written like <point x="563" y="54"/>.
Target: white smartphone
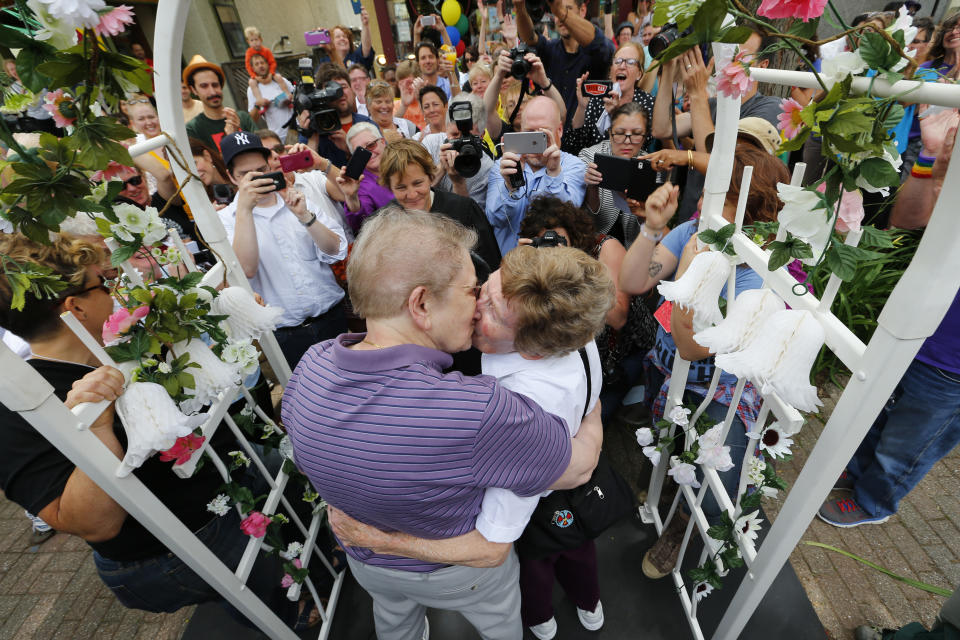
<point x="525" y="142"/>
<point x="427" y="21"/>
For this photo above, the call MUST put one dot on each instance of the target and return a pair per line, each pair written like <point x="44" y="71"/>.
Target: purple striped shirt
<point x="394" y="442"/>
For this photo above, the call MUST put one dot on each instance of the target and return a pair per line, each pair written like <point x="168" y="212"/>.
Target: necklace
<point x="372" y="343"/>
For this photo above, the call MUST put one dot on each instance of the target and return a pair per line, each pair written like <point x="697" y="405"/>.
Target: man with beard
<point x="274" y="106"/>
<point x="580" y="48"/>
<point x="205" y="79"/>
<point x="333" y="146"/>
<point x="431" y="67"/>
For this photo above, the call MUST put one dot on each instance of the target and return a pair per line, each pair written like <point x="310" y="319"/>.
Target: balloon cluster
<point x="457" y="25"/>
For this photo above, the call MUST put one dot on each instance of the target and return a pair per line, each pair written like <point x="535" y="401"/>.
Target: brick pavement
<point x="53" y="591"/>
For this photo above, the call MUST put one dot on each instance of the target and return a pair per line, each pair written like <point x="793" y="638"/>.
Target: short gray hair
<point x="398" y="251"/>
<point x="477" y="111"/>
<point x="359" y="128"/>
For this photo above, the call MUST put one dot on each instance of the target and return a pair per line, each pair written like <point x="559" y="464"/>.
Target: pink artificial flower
<point x="120" y="322"/>
<point x="182" y="449"/>
<point x="61" y="107"/>
<point x="113" y="170"/>
<point x="850" y="214"/>
<point x="789" y="121"/>
<point x="255" y="524"/>
<point x="288" y="580"/>
<point x="735" y="78"/>
<point x="115" y="21"/>
<point x="803" y="9"/>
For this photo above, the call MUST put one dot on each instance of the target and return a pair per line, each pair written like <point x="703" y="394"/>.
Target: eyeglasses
<point x="372" y="145"/>
<point x="100" y="285"/>
<point x="622" y="136"/>
<point x="632" y="62"/>
<point x="135" y="181"/>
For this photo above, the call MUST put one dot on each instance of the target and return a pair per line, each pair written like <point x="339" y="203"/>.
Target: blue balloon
<point x="454" y="35"/>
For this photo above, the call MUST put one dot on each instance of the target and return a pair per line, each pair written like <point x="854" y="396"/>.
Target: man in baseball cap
<point x="205" y="80"/>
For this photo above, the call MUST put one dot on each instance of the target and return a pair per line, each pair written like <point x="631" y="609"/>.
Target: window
<point x="226" y="12"/>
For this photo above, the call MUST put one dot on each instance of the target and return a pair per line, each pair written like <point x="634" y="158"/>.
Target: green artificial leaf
<point x="779" y="255"/>
<point x="879" y="173"/>
<point x="701" y="574"/>
<point x="875" y="238"/>
<point x="708" y="236"/>
<point x="731" y="558"/>
<point x="750" y="501"/>
<point x="734" y="35"/>
<point x="29" y="60"/>
<point x="65" y="69"/>
<point x="796" y="142"/>
<point x="123" y="252"/>
<point x="874" y="50"/>
<point x="892" y="76"/>
<point x="721" y="532"/>
<point x="848" y="123"/>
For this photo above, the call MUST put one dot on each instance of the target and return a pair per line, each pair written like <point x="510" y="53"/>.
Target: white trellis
<point x="25" y="391"/>
<point x="911" y="314"/>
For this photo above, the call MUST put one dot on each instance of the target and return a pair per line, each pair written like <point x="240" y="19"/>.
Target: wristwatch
<point x="313" y="218"/>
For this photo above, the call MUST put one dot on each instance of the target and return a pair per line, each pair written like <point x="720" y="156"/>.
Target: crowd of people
<point x="466" y="286"/>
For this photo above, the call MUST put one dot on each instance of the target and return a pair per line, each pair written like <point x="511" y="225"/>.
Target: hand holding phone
<point x="358" y="162"/>
<point x="525" y="142"/>
<point x="596" y="88"/>
<point x="427" y="21"/>
<point x="296" y="161"/>
<point x="278" y="180"/>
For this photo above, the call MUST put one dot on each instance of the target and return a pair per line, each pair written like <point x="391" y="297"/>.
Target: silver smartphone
<point x="525" y="142"/>
<point x="427" y="21"/>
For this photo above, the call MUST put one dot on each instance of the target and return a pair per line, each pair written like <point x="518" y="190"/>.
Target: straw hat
<point x="199" y="63"/>
<point x="757" y="131"/>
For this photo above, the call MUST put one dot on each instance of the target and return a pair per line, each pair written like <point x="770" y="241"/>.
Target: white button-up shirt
<point x="292" y="273"/>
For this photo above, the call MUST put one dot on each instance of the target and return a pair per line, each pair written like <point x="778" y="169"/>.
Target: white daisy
<point x="748" y="526"/>
<point x="701" y="590"/>
<point x="775" y="442"/>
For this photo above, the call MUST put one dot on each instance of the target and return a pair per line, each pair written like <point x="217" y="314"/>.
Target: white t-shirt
<point x="559" y="386"/>
<point x="313" y="184"/>
<point x="276" y="115"/>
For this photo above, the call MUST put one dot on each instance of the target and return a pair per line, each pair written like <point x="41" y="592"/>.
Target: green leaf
<point x="708" y="236"/>
<point x="731" y="558"/>
<point x="875" y="238"/>
<point x="796" y="142"/>
<point x="779" y="255"/>
<point x="751" y="501"/>
<point x="874" y="49"/>
<point x="848" y="123"/>
<point x="721" y="532"/>
<point x="799" y="248"/>
<point x="879" y="173"/>
<point x="939" y="591"/>
<point x="29" y="60"/>
<point x="123" y="252"/>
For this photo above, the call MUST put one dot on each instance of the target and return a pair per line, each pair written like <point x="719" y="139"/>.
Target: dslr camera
<point x="469" y="147"/>
<point x="520" y="67"/>
<point x="668" y="34"/>
<point x="549" y="239"/>
<point x="324" y="118"/>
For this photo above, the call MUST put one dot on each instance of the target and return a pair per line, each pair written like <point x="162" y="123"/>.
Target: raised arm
<point x="694" y="75"/>
<point x="580" y="28"/>
<point x="918" y="195"/>
<point x="647" y="262"/>
<point x="525" y="28"/>
<point x="366" y="42"/>
<point x="663" y="106"/>
<point x="491" y="96"/>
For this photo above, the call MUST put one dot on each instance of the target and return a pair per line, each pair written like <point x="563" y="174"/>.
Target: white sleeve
<point x="504" y="514"/>
<point x="331" y="223"/>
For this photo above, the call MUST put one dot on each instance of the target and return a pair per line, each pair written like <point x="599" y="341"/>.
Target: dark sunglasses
<point x="100" y="285"/>
<point x="135" y="181"/>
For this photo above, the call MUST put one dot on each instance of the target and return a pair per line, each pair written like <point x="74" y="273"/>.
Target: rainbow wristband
<point x="923" y="167"/>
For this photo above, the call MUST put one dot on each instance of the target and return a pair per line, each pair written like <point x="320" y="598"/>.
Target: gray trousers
<point x="488" y="598"/>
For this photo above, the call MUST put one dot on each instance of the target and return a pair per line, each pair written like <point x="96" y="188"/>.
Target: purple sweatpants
<point x="575" y="570"/>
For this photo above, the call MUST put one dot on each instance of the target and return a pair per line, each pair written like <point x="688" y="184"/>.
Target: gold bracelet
<point x="690" y="158"/>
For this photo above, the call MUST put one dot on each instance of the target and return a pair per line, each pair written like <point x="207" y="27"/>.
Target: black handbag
<point x="566" y="519"/>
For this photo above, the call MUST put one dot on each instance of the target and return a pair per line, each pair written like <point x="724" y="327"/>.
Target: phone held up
<point x="427" y="21"/>
<point x="634" y="177"/>
<point x="596" y="88"/>
<point x="277" y="178"/>
<point x="523" y="142"/>
<point x="317" y="37"/>
<point x="358" y="162"/>
<point x="296" y="161"/>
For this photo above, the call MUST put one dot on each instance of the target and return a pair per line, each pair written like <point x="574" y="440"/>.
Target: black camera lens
<point x="660" y="42"/>
<point x="467" y="162"/>
<point x="519" y="69"/>
<point x="549" y="239"/>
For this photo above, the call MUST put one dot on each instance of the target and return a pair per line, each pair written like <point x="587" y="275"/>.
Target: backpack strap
<point x="586" y="365"/>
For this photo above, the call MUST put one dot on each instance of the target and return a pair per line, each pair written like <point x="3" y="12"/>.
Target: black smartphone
<point x="278" y="181"/>
<point x="644" y="180"/>
<point x="222" y="193"/>
<point x="517" y="180"/>
<point x="634" y="177"/>
<point x="358" y="162"/>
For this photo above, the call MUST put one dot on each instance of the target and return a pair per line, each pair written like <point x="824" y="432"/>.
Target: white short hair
<point x="359" y="128"/>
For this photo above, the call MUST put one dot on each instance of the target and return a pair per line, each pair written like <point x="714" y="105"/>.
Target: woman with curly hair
<point x="630" y="327"/>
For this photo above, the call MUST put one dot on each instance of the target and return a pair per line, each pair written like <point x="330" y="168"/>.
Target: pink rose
<point x="734" y="80"/>
<point x="803" y="9"/>
<point x="255" y="524"/>
<point x="115" y="21"/>
<point x="288" y="580"/>
<point x="182" y="449"/>
<point x="789" y="121"/>
<point x="851" y="213"/>
<point x="120" y="322"/>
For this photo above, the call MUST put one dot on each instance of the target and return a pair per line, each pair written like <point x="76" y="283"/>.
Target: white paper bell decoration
<point x="211" y="377"/>
<point x="699" y="288"/>
<point x="780" y="357"/>
<point x="745" y="315"/>
<point x="153" y="422"/>
<point x="245" y="318"/>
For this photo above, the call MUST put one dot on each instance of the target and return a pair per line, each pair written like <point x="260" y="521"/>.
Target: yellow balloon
<point x="450" y="12"/>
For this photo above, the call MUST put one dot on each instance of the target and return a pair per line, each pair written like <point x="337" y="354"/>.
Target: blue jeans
<point x="918" y="426"/>
<point x="164" y="584"/>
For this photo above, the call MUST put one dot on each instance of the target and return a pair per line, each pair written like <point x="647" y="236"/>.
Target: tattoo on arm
<point x="654" y="269"/>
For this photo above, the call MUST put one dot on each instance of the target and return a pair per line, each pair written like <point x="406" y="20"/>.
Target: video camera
<point x="520" y="67"/>
<point x="324" y="118"/>
<point x="668" y="34"/>
<point x="469" y="147"/>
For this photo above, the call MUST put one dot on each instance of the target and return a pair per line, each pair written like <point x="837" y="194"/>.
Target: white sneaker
<point x="426" y="629"/>
<point x="546" y="630"/>
<point x="591" y="620"/>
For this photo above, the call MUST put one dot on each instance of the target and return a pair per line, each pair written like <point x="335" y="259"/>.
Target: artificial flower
<point x="219" y="506"/>
<point x="884" y="189"/>
<point x="255" y="524"/>
<point x="132" y="218"/>
<point x="678" y="11"/>
<point x="701" y="590"/>
<point x="203" y="295"/>
<point x="285" y="447"/>
<point x="795" y="268"/>
<point x="850" y="213"/>
<point x="294" y="549"/>
<point x="114" y="169"/>
<point x="748" y="526"/>
<point x="55" y="32"/>
<point x="684" y="473"/>
<point x="163" y="367"/>
<point x="805" y="216"/>
<point x="16" y="103"/>
<point x="75" y="13"/>
<point x="239" y="459"/>
<point x="904" y="22"/>
<point x="61" y="107"/>
<point x="243" y="354"/>
<point x="835" y="68"/>
<point x="802" y="9"/>
<point x="774" y="441"/>
<point x="182" y="449"/>
<point x="755" y="473"/>
<point x="734" y="79"/>
<point x="115" y="21"/>
<point x="246" y="411"/>
<point x="288" y="579"/>
<point x="712" y="452"/>
<point x="653" y="454"/>
<point x="644" y="436"/>
<point x="120" y="322"/>
<point x="679" y="416"/>
<point x="789" y="120"/>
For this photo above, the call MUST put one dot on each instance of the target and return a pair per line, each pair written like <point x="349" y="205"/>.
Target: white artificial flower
<point x="76" y="13"/>
<point x="269" y="430"/>
<point x="653" y="454"/>
<point x="884" y="190"/>
<point x="246" y="411"/>
<point x="684" y="473"/>
<point x="132" y="218"/>
<point x="644" y="436"/>
<point x="755" y="474"/>
<point x="286" y="447"/>
<point x="774" y="441"/>
<point x="96" y="109"/>
<point x="239" y="458"/>
<point x="712" y="452"/>
<point x="712" y="437"/>
<point x="120" y="232"/>
<point x="679" y="416"/>
<point x="157" y="254"/>
<point x="834" y="69"/>
<point x="681" y="10"/>
<point x="701" y="590"/>
<point x="163" y="367"/>
<point x="904" y="22"/>
<point x="155" y="232"/>
<point x="219" y="505"/>
<point x="202" y="294"/>
<point x="60" y="34"/>
<point x="748" y="526"/>
<point x="805" y="216"/>
<point x="769" y="492"/>
<point x="243" y="354"/>
<point x="172" y="255"/>
<point x="294" y="549"/>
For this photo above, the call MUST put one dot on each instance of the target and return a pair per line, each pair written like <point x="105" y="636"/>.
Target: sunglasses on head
<point x="139" y="101"/>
